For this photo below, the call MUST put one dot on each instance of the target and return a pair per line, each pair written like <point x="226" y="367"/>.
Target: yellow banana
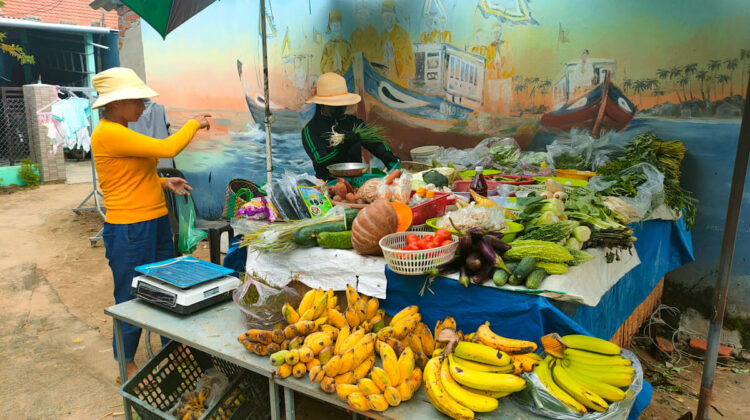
<point x="482" y="367"/>
<point x="307" y="315"/>
<point x="364" y="348"/>
<point x="405" y="390"/>
<point x="486" y="380"/>
<point x="372" y="308"/>
<point x="615" y="379"/>
<point x="358" y="401"/>
<point x="320" y="306"/>
<point x="363" y="369"/>
<point x="415" y="341"/>
<point x="343" y="335"/>
<point x="385" y="333"/>
<point x="314" y="336"/>
<point x="392" y="395"/>
<point x="593" y="359"/>
<point x="409" y="310"/>
<point x="336" y="318"/>
<point x="343" y="390"/>
<point x="325" y="355"/>
<point x="367" y="386"/>
<point x="390" y="364"/>
<point x="416" y="378"/>
<point x="508" y="345"/>
<point x="347" y="361"/>
<point x="608" y="392"/>
<point x="377" y="402"/>
<point x="289" y="313"/>
<point x="365" y="325"/>
<point x="284" y="371"/>
<point x="307" y="301"/>
<point x="345" y="378"/>
<point x="351" y="340"/>
<point x="334" y="331"/>
<point x="333" y="301"/>
<point x="544" y="374"/>
<point x="594" y="370"/>
<point x="527" y="361"/>
<point x="320" y="322"/>
<point x="470" y="400"/>
<point x="591" y="344"/>
<point x="577" y="390"/>
<point x="259" y="336"/>
<point x="481" y="353"/>
<point x="314" y="362"/>
<point x="333" y="366"/>
<point x="351" y="317"/>
<point x="361" y="308"/>
<point x="405" y="364"/>
<point x="492" y="394"/>
<point x="292" y="357"/>
<point x="305" y="354"/>
<point x="428" y="342"/>
<point x="351" y="296"/>
<point x="439" y="397"/>
<point x="449" y="322"/>
<point x="397" y="346"/>
<point x="318" y="344"/>
<point x="553" y="345"/>
<point x="299" y="370"/>
<point x="316" y="373"/>
<point x="403" y="328"/>
<point x="421" y="360"/>
<point x="380" y="378"/>
<point x="278" y="336"/>
<point x="328" y="385"/>
<point x="279" y="358"/>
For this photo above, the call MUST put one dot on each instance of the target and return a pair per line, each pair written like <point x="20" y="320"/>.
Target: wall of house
<point x="452" y="72"/>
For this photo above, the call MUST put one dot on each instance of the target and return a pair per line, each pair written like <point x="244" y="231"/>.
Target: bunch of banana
<point x="389" y="386"/>
<point x="361" y="311"/>
<point x="352" y="357"/>
<point x="192" y="405"/>
<point x="313" y="306"/>
<point x="448" y="322"/>
<point x="299" y="360"/>
<point x="585" y="373"/>
<point x="264" y="342"/>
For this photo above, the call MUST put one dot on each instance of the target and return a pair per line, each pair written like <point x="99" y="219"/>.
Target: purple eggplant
<point x="447" y="267"/>
<point x="464" y="244"/>
<point x="473" y="262"/>
<point x="498" y="245"/>
<point x="483" y="274"/>
<point x="498" y="235"/>
<point x="489" y="254"/>
<point x="476" y="233"/>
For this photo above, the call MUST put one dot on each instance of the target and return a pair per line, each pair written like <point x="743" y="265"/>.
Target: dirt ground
<point x="55" y="341"/>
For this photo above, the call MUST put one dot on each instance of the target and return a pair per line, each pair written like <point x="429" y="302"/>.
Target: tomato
<point x="446" y="242"/>
<point x="411" y="239"/>
<point x="443" y="234"/>
<point x="411" y="247"/>
<point x="424" y="243"/>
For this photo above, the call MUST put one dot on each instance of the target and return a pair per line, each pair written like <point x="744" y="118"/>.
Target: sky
<point x="642" y="35"/>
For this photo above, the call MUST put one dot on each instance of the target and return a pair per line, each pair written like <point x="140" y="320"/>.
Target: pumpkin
<point x="371" y="225"/>
<point x="369" y="190"/>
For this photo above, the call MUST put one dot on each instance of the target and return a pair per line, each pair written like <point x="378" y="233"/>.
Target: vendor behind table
<point x="319" y="137"/>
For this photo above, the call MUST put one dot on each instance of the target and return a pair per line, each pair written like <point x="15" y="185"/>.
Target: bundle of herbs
<point x="607" y="227"/>
<point x="367" y="134"/>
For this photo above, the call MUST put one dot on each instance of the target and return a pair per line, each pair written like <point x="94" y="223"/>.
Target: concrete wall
<point x="51" y="166"/>
<point x="130" y="43"/>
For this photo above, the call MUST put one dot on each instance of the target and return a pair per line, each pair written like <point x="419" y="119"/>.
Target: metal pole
<point x="725" y="261"/>
<point x="268" y="120"/>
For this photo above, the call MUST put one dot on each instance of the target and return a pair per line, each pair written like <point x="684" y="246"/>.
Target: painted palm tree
<point x="731" y="64"/>
<point x="627" y="85"/>
<point x="545" y="87"/>
<point x="714" y="66"/>
<point x="723" y="79"/>
<point x="520" y="87"/>
<point x="533" y="84"/>
<point x="701" y="76"/>
<point x="744" y="55"/>
<point x="639" y="87"/>
<point x="662" y="74"/>
<point x="689" y="71"/>
<point x="709" y="80"/>
<point x="675" y="73"/>
<point x="684" y="81"/>
<point x="658" y="92"/>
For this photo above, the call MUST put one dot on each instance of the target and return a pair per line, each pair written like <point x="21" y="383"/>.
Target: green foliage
<point x="29" y="173"/>
<point x="15" y="50"/>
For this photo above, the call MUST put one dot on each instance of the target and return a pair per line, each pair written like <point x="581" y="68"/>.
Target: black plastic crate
<point x="248" y="398"/>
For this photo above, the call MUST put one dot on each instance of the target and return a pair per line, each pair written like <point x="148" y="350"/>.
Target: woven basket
<point x="239" y="192"/>
<point x="414" y="262"/>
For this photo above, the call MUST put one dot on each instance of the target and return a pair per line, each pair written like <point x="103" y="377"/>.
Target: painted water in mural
<point x="452" y="72"/>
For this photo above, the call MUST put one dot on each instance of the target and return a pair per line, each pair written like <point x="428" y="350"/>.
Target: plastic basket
<point x="173" y="371"/>
<point x="541" y="187"/>
<point x="414" y="262"/>
<point x="421" y="228"/>
<point x="246" y="398"/>
<point x="433" y="208"/>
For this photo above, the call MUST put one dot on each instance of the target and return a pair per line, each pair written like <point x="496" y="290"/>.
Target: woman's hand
<point x="203" y="120"/>
<point x="178" y="186"/>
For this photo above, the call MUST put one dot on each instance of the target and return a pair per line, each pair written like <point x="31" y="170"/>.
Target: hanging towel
<point x="74" y="113"/>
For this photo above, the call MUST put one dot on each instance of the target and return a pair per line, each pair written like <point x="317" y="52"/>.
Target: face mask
<point x="334" y="112"/>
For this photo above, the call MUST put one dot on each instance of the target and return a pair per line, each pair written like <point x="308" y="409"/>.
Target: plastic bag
<point x="399" y="191"/>
<point x="469" y="157"/>
<point x="189" y="234"/>
<point x="571" y="153"/>
<point x="650" y="194"/>
<point x="505" y="152"/>
<point x="259" y="208"/>
<point x="286" y="198"/>
<point x="213" y="381"/>
<point x="538" y="400"/>
<point x="490" y="218"/>
<point x="261" y="304"/>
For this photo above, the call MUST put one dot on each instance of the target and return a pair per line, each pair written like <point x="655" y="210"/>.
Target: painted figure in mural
<point x="436" y="32"/>
<point x="583" y="77"/>
<point x="479" y="47"/>
<point x="500" y="72"/>
<point x="337" y="52"/>
<point x="365" y="38"/>
<point x="333" y="99"/>
<point x="398" y="55"/>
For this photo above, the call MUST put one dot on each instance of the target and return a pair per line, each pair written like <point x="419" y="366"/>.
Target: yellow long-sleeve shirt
<point x="126" y="165"/>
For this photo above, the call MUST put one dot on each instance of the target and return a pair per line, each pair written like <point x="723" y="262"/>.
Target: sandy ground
<point x="55" y="341"/>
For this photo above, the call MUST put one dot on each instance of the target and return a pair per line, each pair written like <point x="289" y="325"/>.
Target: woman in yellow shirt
<point x="136" y="227"/>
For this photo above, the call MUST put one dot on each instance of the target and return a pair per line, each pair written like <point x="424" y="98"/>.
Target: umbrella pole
<point x="725" y="262"/>
<point x="268" y="120"/>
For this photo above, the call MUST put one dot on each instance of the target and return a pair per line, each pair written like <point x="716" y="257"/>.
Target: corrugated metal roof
<point x="71" y="12"/>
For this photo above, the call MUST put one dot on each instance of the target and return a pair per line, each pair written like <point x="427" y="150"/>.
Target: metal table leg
<point x="120" y="346"/>
<point x="273" y="392"/>
<point x="289" y="403"/>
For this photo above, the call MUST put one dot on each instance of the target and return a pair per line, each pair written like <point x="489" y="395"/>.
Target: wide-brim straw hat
<point x="331" y="90"/>
<point x="119" y="83"/>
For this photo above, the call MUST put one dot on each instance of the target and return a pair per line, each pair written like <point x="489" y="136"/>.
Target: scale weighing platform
<point x="183" y="285"/>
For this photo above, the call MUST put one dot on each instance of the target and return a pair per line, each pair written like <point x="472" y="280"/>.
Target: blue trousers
<point x="128" y="246"/>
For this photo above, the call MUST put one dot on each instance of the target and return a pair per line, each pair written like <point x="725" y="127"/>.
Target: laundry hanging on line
<point x="72" y="124"/>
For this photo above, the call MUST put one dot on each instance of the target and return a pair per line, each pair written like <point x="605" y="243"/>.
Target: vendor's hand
<point x="203" y="120"/>
<point x="178" y="186"/>
<point x="351" y="137"/>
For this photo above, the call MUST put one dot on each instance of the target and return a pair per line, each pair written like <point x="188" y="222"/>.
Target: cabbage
<point x="555" y="206"/>
<point x="582" y="234"/>
<point x="547" y="218"/>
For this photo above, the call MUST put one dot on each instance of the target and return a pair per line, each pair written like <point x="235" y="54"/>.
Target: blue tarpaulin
<point x="661" y="245"/>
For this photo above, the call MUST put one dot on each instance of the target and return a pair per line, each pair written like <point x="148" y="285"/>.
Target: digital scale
<point x="184" y="285"/>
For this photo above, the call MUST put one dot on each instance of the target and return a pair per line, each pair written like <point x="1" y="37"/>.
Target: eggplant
<point x="490" y="255"/>
<point x="464" y="244"/>
<point x="463" y="278"/>
<point x="476" y="233"/>
<point x="483" y="274"/>
<point x="498" y="235"/>
<point x="473" y="262"/>
<point x="498" y="245"/>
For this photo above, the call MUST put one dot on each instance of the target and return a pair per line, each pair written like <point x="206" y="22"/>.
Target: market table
<point x="215" y="330"/>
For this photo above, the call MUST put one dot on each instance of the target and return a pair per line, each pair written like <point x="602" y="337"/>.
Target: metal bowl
<point x="348" y="169"/>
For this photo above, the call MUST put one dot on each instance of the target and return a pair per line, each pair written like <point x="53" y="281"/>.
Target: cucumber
<point x="524" y="268"/>
<point x="351" y="214"/>
<point x="335" y="240"/>
<point x="306" y="236"/>
<point x="534" y="280"/>
<point x="500" y="277"/>
<point x="511" y="266"/>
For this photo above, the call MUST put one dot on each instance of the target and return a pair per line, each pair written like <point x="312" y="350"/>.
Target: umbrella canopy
<point x="166" y="15"/>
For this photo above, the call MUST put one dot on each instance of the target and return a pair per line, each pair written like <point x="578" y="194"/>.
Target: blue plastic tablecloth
<point x="662" y="246"/>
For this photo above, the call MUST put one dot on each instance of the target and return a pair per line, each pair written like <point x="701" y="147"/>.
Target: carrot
<point x="392" y="176"/>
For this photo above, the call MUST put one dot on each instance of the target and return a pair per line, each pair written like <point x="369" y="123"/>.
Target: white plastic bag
<point x="650" y="194"/>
